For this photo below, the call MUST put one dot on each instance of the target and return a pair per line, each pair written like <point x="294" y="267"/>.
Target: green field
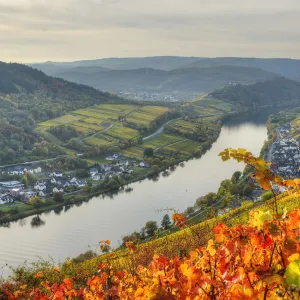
<point x="185" y="147"/>
<point x="102" y="122"/>
<point x="206" y="105"/>
<point x="182" y="126"/>
<point x="144" y="116"/>
<point x="83" y="124"/>
<point x="95" y="141"/>
<point x="134" y="152"/>
<point x="162" y="140"/>
<point x="121" y="132"/>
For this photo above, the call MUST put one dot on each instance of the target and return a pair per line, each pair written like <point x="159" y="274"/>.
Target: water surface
<point x="69" y="232"/>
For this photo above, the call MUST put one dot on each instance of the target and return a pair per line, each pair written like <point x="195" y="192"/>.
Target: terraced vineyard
<point x="186" y="147"/>
<point x="105" y="125"/>
<point x="182" y="126"/>
<point x="122" y="125"/>
<point x="206" y="105"/>
<point x="144" y="116"/>
<point x="162" y="140"/>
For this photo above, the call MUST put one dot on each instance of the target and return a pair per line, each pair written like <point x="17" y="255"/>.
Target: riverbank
<point x="159" y="163"/>
<point x="24" y="210"/>
<point x="79" y="227"/>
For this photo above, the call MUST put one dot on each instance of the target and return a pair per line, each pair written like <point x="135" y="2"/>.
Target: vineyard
<point x="104" y="125"/>
<point x="251" y="252"/>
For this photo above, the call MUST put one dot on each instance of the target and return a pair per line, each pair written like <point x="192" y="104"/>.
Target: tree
<point x="86" y="188"/>
<point x="135" y="237"/>
<point x="236" y="176"/>
<point x="190" y="210"/>
<point x="207" y="199"/>
<point x="151" y="227"/>
<point x="36" y="201"/>
<point x="143" y="233"/>
<point x="58" y="197"/>
<point x="166" y="222"/>
<point x="156" y="169"/>
<point x="24" y="180"/>
<point x="248" y="189"/>
<point x="266" y="196"/>
<point x="31" y="178"/>
<point x="149" y="152"/>
<point x="106" y="249"/>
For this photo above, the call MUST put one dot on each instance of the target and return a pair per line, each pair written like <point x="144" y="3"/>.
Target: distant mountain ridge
<point x="165" y="74"/>
<point x="154" y="80"/>
<point x="157" y="62"/>
<point x="282" y="66"/>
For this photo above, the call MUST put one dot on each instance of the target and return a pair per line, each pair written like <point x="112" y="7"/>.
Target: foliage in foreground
<point x="256" y="261"/>
<point x="260" y="260"/>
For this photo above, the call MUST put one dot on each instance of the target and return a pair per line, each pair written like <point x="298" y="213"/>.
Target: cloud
<point x="84" y="29"/>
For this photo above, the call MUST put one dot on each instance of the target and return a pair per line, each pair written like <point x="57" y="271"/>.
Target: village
<point x="285" y="153"/>
<point x="56" y="181"/>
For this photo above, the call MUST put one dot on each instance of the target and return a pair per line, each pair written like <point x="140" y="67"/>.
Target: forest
<point x="276" y="92"/>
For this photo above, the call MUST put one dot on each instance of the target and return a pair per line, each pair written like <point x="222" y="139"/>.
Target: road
<point x="159" y="130"/>
<point x="110" y="126"/>
<point x="28" y="162"/>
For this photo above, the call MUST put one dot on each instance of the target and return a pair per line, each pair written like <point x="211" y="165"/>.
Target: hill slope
<point x="279" y="91"/>
<point x="28" y="96"/>
<point x="154" y="80"/>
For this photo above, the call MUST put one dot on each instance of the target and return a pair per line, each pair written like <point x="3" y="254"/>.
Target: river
<point x="69" y="232"/>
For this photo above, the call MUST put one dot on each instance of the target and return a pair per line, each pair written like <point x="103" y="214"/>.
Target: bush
<point x="58" y="197"/>
<point x="85" y="256"/>
<point x="266" y="196"/>
<point x="149" y="152"/>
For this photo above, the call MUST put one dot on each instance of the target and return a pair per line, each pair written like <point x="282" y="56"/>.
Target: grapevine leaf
<point x="259" y="218"/>
<point x="292" y="274"/>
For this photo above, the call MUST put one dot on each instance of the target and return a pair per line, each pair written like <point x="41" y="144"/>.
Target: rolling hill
<point x="116" y="63"/>
<point x="281" y="66"/>
<point x="161" y="81"/>
<point x="276" y="92"/>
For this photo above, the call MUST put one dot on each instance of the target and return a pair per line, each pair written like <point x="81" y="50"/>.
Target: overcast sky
<point x="67" y="30"/>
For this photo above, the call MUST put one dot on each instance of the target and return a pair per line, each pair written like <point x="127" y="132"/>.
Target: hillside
<point x="28" y="96"/>
<point x="154" y="80"/>
<point x="278" y="91"/>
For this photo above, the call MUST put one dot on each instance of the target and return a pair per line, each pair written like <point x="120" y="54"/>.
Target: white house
<point x="38" y="170"/>
<point x="58" y="190"/>
<point x="96" y="177"/>
<point x="56" y="174"/>
<point x="40" y="187"/>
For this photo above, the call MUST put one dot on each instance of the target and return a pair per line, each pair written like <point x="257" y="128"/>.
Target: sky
<point x="68" y="30"/>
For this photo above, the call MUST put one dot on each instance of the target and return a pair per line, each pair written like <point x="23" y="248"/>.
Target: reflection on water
<point x="37" y="222"/>
<point x="68" y="232"/>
